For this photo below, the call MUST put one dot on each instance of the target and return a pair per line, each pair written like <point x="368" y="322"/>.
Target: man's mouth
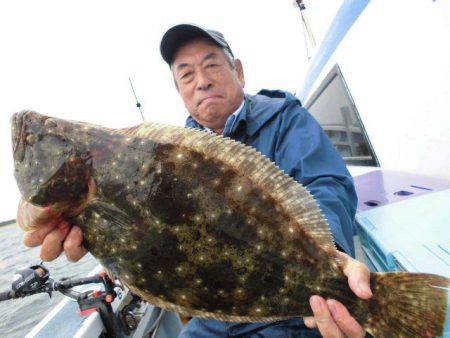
<point x="209" y="99"/>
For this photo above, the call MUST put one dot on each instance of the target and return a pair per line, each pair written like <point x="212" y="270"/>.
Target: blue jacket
<point x="275" y="123"/>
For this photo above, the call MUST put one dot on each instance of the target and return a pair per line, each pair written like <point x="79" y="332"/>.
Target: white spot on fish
<point x="291" y="230"/>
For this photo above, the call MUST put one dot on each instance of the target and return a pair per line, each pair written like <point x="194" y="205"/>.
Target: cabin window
<point x="333" y="107"/>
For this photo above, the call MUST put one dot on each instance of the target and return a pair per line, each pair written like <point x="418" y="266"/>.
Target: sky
<point x="73" y="59"/>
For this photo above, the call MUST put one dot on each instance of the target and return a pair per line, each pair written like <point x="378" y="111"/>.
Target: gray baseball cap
<point x="179" y="34"/>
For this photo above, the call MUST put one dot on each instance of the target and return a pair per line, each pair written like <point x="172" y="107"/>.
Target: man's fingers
<point x="310" y="322"/>
<point x="52" y="245"/>
<point x="359" y="279"/>
<point x="358" y="275"/>
<point x="73" y="245"/>
<point x="34" y="238"/>
<point x="29" y="216"/>
<point x="344" y="320"/>
<point x="323" y="318"/>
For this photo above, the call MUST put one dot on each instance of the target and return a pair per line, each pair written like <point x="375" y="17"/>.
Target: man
<point x="210" y="82"/>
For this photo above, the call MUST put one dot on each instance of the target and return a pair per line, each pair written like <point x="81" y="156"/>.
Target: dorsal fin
<point x="293" y="197"/>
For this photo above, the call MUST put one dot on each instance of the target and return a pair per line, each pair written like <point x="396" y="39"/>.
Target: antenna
<point x="138" y="104"/>
<point x="307" y="31"/>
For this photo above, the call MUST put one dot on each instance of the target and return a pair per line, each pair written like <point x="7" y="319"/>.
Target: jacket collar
<point x="258" y="109"/>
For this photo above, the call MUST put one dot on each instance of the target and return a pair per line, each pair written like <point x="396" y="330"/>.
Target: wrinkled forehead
<point x="196" y="51"/>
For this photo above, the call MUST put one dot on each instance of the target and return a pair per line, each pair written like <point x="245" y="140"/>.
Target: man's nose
<point x="203" y="81"/>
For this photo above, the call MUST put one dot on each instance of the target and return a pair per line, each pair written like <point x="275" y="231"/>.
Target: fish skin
<point x="194" y="223"/>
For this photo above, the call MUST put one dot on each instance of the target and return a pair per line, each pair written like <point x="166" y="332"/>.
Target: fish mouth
<point x="18" y="135"/>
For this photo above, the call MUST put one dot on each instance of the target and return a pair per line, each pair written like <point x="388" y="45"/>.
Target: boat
<point x="378" y="83"/>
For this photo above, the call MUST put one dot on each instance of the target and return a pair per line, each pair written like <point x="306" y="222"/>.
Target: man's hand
<point x="44" y="226"/>
<point x="330" y="316"/>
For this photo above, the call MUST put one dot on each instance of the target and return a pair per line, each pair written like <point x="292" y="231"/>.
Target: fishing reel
<point x="30" y="280"/>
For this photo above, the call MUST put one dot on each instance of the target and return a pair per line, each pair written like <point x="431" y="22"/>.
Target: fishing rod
<point x="307" y="31"/>
<point x="138" y="104"/>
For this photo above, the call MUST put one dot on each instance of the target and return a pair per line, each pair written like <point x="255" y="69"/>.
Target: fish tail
<point x="408" y="305"/>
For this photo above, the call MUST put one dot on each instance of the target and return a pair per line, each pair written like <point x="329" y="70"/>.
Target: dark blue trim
<point x="344" y="19"/>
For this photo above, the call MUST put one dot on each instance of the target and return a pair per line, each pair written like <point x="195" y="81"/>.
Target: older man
<point x="211" y="81"/>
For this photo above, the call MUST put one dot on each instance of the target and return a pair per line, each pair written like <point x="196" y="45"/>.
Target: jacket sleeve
<point x="305" y="152"/>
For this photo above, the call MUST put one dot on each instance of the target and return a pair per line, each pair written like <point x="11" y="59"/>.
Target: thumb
<point x="358" y="279"/>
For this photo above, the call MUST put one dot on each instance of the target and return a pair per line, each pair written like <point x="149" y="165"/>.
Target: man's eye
<point x="211" y="65"/>
<point x="186" y="75"/>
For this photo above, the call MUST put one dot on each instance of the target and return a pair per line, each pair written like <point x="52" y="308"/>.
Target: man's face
<point x="211" y="89"/>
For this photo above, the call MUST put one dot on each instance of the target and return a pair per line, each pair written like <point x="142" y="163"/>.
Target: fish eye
<point x="50" y="123"/>
<point x="31" y="139"/>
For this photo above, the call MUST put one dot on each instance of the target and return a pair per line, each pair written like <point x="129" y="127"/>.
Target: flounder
<point x="206" y="226"/>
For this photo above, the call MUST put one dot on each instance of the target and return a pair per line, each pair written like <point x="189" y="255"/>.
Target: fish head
<point x="50" y="165"/>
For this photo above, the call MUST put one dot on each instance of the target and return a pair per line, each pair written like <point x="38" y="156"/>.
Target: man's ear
<point x="240" y="71"/>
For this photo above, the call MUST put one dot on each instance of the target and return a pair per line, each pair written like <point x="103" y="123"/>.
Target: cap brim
<point x="179" y="34"/>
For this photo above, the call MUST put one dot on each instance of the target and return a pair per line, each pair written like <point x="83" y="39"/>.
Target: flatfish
<point x="206" y="226"/>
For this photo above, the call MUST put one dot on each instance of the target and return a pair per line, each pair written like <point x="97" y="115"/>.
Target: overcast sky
<point x="73" y="59"/>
